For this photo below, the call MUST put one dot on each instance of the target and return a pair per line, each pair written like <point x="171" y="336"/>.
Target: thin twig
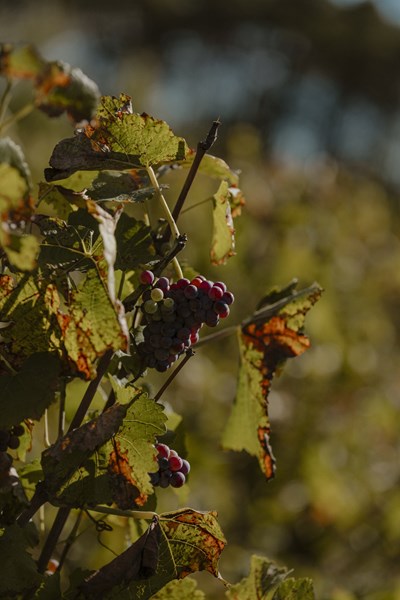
<point x="52" y="538"/>
<point x="189" y="354"/>
<point x="70" y="540"/>
<point x="133" y="514"/>
<point x="20" y="114"/>
<point x="91" y="390"/>
<point x="202" y="148"/>
<point x="217" y="335"/>
<point x="5" y="98"/>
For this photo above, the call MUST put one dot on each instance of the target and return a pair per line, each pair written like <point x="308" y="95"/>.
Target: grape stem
<point x="202" y="147"/>
<point x="218" y="335"/>
<point x="132" y="514"/>
<point x="20" y="114"/>
<point x="168" y="216"/>
<point x="189" y="354"/>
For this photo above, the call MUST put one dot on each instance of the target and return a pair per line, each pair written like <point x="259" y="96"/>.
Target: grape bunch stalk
<point x="174" y="313"/>
<point x="172" y="470"/>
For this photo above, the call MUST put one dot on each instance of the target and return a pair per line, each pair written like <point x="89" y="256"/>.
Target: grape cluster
<point x="173" y="314"/>
<point x="10" y="438"/>
<point x="172" y="468"/>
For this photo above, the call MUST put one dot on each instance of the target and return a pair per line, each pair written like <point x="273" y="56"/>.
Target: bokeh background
<point x="308" y="92"/>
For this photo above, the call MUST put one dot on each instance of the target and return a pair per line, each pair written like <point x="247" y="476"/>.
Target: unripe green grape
<point x="157" y="294"/>
<point x="150" y="307"/>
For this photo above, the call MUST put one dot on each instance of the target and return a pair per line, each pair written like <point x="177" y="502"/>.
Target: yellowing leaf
<point x="195" y="540"/>
<point x="142" y="139"/>
<point x="272" y="335"/>
<point x="223" y="242"/>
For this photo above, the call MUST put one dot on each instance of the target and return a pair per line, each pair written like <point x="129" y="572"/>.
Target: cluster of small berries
<point x="173" y="314"/>
<point x="10" y="438"/>
<point x="172" y="468"/>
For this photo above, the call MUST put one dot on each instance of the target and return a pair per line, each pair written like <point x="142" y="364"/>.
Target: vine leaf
<point x="295" y="589"/>
<point x="107" y="225"/>
<point x="80" y="334"/>
<point x="175" y="545"/>
<point x="107" y="459"/>
<point x="50" y="588"/>
<point x="265" y="576"/>
<point x="180" y="589"/>
<point x="267" y="580"/>
<point x="29" y="392"/>
<point x="16" y="207"/>
<point x="134" y="243"/>
<point x="18" y="569"/>
<point x="195" y="540"/>
<point x="118" y="129"/>
<point x="223" y="241"/>
<point x="59" y="88"/>
<point x="269" y="337"/>
<point x="117" y="139"/>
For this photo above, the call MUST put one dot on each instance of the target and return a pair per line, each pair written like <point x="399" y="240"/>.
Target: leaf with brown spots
<point x="269" y="337"/>
<point x="195" y="540"/>
<point x="175" y="545"/>
<point x="108" y="459"/>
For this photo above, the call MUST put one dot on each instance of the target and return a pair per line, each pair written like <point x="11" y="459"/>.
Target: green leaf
<point x="92" y="326"/>
<point x="18" y="569"/>
<point x="269" y="337"/>
<point x="109" y="458"/>
<point x="134" y="244"/>
<point x="175" y="545"/>
<point x="59" y="201"/>
<point x="183" y="589"/>
<point x="28" y="393"/>
<point x="263" y="579"/>
<point x="213" y="167"/>
<point x="15" y="207"/>
<point x="30" y="474"/>
<point x="223" y="241"/>
<point x="149" y="140"/>
<point x="295" y="589"/>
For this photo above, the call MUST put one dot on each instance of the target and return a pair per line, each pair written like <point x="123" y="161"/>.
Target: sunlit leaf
<point x="18" y="569"/>
<point x="213" y="166"/>
<point x="148" y="140"/>
<point x="272" y="335"/>
<point x="109" y="458"/>
<point x="92" y="326"/>
<point x="223" y="242"/>
<point x="16" y="207"/>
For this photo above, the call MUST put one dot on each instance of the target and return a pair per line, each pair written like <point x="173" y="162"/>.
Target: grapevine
<point x="94" y="297"/>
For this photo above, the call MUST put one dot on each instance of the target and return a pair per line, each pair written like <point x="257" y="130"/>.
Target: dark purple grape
<point x="146" y="277"/>
<point x="163" y="450"/>
<point x="221" y="309"/>
<point x="155" y="340"/>
<point x="18" y="430"/>
<point x="212" y="319"/>
<point x="175" y="463"/>
<point x="161" y="354"/>
<point x="5" y="462"/>
<point x="182" y="283"/>
<point x="162" y="365"/>
<point x="163" y="283"/>
<point x="168" y="329"/>
<point x="206" y="285"/>
<point x="14" y="442"/>
<point x="177" y="479"/>
<point x="166" y="342"/>
<point x="155" y="478"/>
<point x="165" y="478"/>
<point x="163" y="463"/>
<point x="195" y="304"/>
<point x="183" y="333"/>
<point x="215" y="293"/>
<point x="197" y="281"/>
<point x="228" y="298"/>
<point x="206" y="302"/>
<point x="184" y="310"/>
<point x="185" y="469"/>
<point x="221" y="285"/>
<point x="191" y="291"/>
